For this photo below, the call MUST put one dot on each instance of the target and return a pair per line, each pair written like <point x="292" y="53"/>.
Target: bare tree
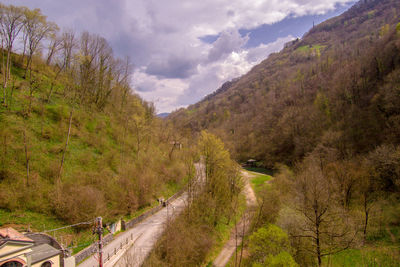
<point x="321" y="220"/>
<point x="11" y="22"/>
<point x="65" y="45"/>
<point x="36" y="27"/>
<point x="68" y="44"/>
<point x="54" y="47"/>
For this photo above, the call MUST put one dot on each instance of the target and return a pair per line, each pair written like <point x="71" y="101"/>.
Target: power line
<point x="60" y="228"/>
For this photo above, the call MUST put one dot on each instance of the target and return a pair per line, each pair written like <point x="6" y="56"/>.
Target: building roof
<point x="10" y="234"/>
<point x="43" y="252"/>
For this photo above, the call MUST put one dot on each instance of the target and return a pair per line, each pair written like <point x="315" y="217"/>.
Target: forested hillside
<point x="75" y="142"/>
<point x="324" y="114"/>
<point x="337" y="84"/>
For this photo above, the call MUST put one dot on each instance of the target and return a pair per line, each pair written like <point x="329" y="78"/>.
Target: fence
<point x="85" y="253"/>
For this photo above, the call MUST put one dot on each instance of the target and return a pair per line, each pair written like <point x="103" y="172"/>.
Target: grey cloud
<point x="146" y="86"/>
<point x="230" y="13"/>
<point x="173" y="67"/>
<point x="227" y="42"/>
<point x="200" y="86"/>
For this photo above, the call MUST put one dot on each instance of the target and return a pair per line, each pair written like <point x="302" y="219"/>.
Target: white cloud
<point x="170" y="94"/>
<point x="174" y="67"/>
<point x="229" y="41"/>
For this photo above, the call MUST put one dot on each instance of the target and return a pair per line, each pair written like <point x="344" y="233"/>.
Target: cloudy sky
<point x="185" y="49"/>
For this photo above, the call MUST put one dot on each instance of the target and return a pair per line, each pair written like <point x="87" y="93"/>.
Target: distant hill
<point x="163" y="115"/>
<point x="335" y="85"/>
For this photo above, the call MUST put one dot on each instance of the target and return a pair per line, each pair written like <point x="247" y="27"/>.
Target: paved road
<point x="240" y="228"/>
<point x="133" y="245"/>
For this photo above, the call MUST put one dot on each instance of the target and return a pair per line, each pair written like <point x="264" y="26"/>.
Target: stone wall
<point x="93" y="248"/>
<point x="40" y="238"/>
<point x="130" y="224"/>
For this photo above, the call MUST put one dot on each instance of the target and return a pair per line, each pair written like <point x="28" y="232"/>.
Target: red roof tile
<point x="12" y="234"/>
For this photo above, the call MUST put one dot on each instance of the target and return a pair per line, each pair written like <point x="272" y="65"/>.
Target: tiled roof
<point x="12" y="234"/>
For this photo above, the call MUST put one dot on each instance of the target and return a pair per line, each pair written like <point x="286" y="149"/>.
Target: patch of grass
<point x="365" y="257"/>
<point x="311" y="48"/>
<point x="259" y="180"/>
<point x="21" y="220"/>
<point x="303" y="48"/>
<point x="76" y="238"/>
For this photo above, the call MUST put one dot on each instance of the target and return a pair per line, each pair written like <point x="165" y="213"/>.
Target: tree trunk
<point x="366" y="212"/>
<point x="259" y="212"/>
<point x="41" y="118"/>
<point x="317" y="238"/>
<point x="243" y="232"/>
<point x="30" y="101"/>
<point x="236" y="243"/>
<point x="52" y="84"/>
<point x="7" y="74"/>
<point x="24" y="51"/>
<point x="26" y="158"/>
<point x="9" y="105"/>
<point x="4" y="159"/>
<point x="65" y="147"/>
<point x="28" y="66"/>
<point x="3" y="71"/>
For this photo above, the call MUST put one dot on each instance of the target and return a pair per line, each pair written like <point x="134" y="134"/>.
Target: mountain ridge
<point x="295" y="78"/>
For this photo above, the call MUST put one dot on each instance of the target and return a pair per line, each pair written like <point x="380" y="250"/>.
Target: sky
<point x="183" y="50"/>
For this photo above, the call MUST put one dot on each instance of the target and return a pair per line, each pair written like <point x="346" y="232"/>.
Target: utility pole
<point x="99" y="230"/>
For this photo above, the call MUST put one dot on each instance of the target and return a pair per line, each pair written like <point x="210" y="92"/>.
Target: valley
<point x="294" y="163"/>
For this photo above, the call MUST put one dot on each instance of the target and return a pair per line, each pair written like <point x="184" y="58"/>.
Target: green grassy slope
<point x="117" y="161"/>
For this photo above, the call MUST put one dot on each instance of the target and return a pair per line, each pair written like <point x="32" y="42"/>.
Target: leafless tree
<point x="321" y="219"/>
<point x="36" y="28"/>
<point x="12" y="20"/>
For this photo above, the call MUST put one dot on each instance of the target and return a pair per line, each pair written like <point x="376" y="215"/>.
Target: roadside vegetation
<point x="212" y="207"/>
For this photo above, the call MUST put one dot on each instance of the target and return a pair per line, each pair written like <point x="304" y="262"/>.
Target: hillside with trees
<point x="75" y="141"/>
<point x="335" y="81"/>
<point x="324" y="114"/>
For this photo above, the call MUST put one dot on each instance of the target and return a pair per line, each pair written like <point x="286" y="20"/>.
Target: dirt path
<point x="241" y="227"/>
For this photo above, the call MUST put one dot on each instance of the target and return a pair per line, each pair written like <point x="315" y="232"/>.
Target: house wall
<point x="13" y="250"/>
<point x="9" y="248"/>
<point x="54" y="260"/>
<point x="69" y="262"/>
